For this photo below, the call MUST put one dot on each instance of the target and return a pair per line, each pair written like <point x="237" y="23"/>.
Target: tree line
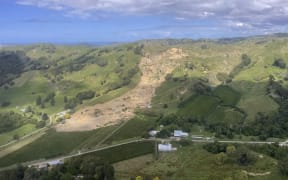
<point x="92" y="168"/>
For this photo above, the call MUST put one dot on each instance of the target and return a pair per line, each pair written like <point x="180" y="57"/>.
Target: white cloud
<point x="242" y="13"/>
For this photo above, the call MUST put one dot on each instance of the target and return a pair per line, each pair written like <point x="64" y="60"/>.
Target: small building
<point x="62" y="113"/>
<point x="198" y="137"/>
<point x="55" y="162"/>
<point x="166" y="147"/>
<point x="153" y="133"/>
<point x="48" y="164"/>
<point x="180" y="133"/>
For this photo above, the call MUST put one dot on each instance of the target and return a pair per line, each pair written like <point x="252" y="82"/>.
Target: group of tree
<point x="277" y="152"/>
<point x="50" y="98"/>
<point x="91" y="168"/>
<point x="125" y="78"/>
<point x="5" y="103"/>
<point x="273" y="124"/>
<point x="175" y="121"/>
<point x="12" y="64"/>
<point x="78" y="63"/>
<point x="279" y="62"/>
<point x="139" y="49"/>
<point x="71" y="103"/>
<point x="264" y="125"/>
<point x="245" y="61"/>
<point x="225" y="153"/>
<point x="12" y="120"/>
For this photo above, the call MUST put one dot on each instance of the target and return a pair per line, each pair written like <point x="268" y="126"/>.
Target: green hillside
<point x="228" y="89"/>
<point x="227" y="86"/>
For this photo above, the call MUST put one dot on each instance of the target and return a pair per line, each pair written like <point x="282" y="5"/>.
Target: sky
<point x="80" y="21"/>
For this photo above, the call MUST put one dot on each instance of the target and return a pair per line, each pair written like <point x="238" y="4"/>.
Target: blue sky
<point x="72" y="21"/>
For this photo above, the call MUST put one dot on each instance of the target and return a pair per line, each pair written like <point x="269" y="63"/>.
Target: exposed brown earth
<point x="153" y="68"/>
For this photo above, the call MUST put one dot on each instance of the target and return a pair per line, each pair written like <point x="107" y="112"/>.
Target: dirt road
<point x="154" y="70"/>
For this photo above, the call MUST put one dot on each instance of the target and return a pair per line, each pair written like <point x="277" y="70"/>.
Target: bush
<point x="215" y="147"/>
<point x="85" y="95"/>
<point x="5" y="104"/>
<point x="279" y="63"/>
<point x="101" y="62"/>
<point x="283" y="165"/>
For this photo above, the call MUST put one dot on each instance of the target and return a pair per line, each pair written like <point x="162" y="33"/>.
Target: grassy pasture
<point x="118" y="63"/>
<point x="227" y="95"/>
<point x="26" y="94"/>
<point x="22" y="131"/>
<point x="201" y="106"/>
<point x="225" y="115"/>
<point x="262" y="103"/>
<point x="254" y="98"/>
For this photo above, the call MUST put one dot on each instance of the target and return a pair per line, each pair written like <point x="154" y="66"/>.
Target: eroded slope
<point x="153" y="68"/>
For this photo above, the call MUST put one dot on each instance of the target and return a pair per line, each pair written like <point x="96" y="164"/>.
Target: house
<point x="180" y="133"/>
<point x="166" y="147"/>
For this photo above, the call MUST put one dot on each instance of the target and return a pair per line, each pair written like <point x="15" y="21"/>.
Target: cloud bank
<point x="264" y="15"/>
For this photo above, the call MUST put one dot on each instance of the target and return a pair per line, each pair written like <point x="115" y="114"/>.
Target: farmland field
<point x="50" y="145"/>
<point x="124" y="152"/>
<point x="135" y="127"/>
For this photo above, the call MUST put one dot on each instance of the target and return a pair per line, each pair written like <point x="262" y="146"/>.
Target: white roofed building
<point x="180" y="133"/>
<point x="166" y="147"/>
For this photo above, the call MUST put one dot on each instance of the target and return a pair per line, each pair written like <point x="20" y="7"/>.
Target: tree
<point x="185" y="142"/>
<point x="42" y="105"/>
<point x="38" y="100"/>
<point x="19" y="171"/>
<point x="139" y="178"/>
<point x="44" y="116"/>
<point x="279" y="62"/>
<point x="220" y="158"/>
<point x="40" y="124"/>
<point x="99" y="173"/>
<point x="31" y="174"/>
<point x="244" y="157"/>
<point x="283" y="165"/>
<point x="240" y="175"/>
<point x="66" y="176"/>
<point x="108" y="171"/>
<point x="65" y="99"/>
<point x="52" y="102"/>
<point x="28" y="109"/>
<point x="230" y="149"/>
<point x="67" y="116"/>
<point x="16" y="137"/>
<point x="215" y="147"/>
